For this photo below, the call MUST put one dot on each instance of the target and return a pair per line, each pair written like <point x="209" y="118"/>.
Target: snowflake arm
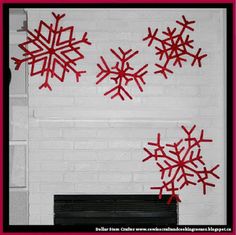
<point x="151" y="36"/>
<point x="204" y="175"/>
<point x="168" y="187"/>
<point x="104" y="71"/>
<point x="185" y="24"/>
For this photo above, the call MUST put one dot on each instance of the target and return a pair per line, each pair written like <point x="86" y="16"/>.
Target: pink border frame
<point x="116" y="1"/>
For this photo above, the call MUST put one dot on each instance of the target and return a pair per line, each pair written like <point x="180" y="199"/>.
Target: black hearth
<point x="114" y="210"/>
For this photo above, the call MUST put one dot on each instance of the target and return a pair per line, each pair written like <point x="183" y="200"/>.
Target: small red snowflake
<point x="121" y="74"/>
<point x="175" y="47"/>
<point x="53" y="49"/>
<point x="181" y="164"/>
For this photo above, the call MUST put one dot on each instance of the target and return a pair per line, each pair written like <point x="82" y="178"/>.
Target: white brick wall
<point x="82" y="142"/>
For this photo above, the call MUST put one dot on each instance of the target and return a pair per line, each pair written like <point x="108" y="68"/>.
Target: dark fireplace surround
<point x="114" y="210"/>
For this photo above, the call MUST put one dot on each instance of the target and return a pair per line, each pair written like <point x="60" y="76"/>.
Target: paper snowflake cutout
<point x="52" y="51"/>
<point x="181" y="164"/>
<point x="121" y="74"/>
<point x="175" y="47"/>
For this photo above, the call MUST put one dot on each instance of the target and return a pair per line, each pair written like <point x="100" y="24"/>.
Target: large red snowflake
<point x="121" y="74"/>
<point x="175" y="47"/>
<point x="52" y="51"/>
<point x="181" y="164"/>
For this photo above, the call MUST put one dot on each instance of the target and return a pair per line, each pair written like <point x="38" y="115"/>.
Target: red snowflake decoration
<point x="53" y="49"/>
<point x="121" y="74"/>
<point x="174" y="47"/>
<point x="181" y="164"/>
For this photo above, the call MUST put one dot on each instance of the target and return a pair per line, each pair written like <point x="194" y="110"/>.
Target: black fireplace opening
<point x="114" y="210"/>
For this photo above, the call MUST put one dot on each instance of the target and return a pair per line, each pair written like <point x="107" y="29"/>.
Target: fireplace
<point x="114" y="210"/>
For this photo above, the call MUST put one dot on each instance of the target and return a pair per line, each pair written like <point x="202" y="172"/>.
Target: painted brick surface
<point x="82" y="142"/>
